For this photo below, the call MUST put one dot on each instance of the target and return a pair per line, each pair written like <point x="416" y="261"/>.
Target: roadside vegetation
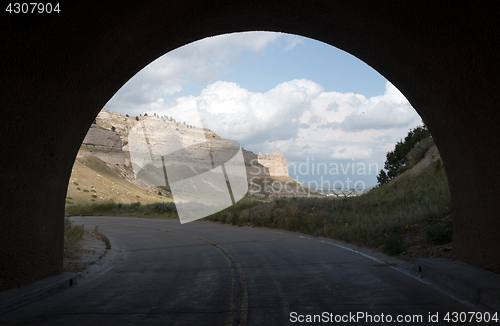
<point x="156" y="210"/>
<point x="72" y="234"/>
<point x="75" y="239"/>
<point x="406" y="214"/>
<point x="103" y="237"/>
<point x="406" y="153"/>
<point x="412" y="211"/>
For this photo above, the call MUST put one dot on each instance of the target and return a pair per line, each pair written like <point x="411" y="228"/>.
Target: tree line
<point x="397" y="160"/>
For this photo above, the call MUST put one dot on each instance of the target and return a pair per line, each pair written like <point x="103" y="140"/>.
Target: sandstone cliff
<point x="276" y="164"/>
<point x="103" y="169"/>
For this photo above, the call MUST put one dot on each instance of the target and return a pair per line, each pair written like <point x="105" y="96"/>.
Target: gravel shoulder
<point x="87" y="251"/>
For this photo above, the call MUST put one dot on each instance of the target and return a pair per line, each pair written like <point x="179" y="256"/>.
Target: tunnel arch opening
<point x="315" y="103"/>
<point x="215" y="97"/>
<point x="448" y="81"/>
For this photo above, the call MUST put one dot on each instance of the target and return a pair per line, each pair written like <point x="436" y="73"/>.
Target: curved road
<point x="160" y="272"/>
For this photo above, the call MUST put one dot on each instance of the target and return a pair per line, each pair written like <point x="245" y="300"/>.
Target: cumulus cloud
<point x="236" y="113"/>
<point x="299" y="119"/>
<point x="334" y="106"/>
<point x="381" y="112"/>
<point x="293" y="41"/>
<point x="204" y="61"/>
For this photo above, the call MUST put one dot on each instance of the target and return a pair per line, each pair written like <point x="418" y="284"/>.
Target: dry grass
<point x="72" y="234"/>
<point x="156" y="210"/>
<point x="418" y="151"/>
<point x="384" y="218"/>
<point x="94" y="181"/>
<point x="76" y="240"/>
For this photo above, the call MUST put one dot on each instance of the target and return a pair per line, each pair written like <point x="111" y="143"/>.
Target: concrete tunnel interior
<point x="59" y="71"/>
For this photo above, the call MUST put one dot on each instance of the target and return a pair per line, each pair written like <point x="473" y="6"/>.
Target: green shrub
<point x="164" y="207"/>
<point x="438" y="165"/>
<point x="103" y="237"/>
<point x="403" y="168"/>
<point x="67" y="224"/>
<point x="390" y="209"/>
<point x="418" y="151"/>
<point x="135" y="205"/>
<point x="85" y="190"/>
<point x="72" y="235"/>
<point x="398" y="157"/>
<point x="94" y="196"/>
<point x="439" y="233"/>
<point x="106" y="241"/>
<point x="394" y="244"/>
<point x="76" y="183"/>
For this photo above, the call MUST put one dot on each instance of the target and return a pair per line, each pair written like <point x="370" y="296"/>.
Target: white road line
<point x="407" y="273"/>
<point x="355" y="251"/>
<point x="435" y="287"/>
<point x="108" y="269"/>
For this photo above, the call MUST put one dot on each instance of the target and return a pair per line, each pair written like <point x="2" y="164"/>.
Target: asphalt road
<point x="160" y="272"/>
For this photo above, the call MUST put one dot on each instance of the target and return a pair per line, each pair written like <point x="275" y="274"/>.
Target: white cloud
<point x="298" y="119"/>
<point x="236" y="113"/>
<point x="293" y="41"/>
<point x="381" y="112"/>
<point x="204" y="61"/>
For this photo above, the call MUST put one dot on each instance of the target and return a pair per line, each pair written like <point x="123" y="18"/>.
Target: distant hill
<point x="103" y="172"/>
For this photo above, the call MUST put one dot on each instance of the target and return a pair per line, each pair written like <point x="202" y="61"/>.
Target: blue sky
<point x="328" y="66"/>
<point x="279" y="92"/>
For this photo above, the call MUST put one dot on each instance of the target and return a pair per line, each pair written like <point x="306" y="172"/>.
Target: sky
<point x="332" y="116"/>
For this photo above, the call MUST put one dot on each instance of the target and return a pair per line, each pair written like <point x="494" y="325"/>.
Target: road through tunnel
<point x="58" y="72"/>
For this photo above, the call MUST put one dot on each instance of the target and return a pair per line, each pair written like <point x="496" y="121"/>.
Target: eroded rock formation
<point x="276" y="163"/>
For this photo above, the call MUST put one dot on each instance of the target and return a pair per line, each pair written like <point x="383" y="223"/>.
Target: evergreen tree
<point x="397" y="158"/>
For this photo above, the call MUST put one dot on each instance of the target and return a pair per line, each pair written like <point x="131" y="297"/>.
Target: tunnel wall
<point x="59" y="70"/>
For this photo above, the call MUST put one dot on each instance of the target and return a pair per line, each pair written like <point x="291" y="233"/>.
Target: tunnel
<point x="58" y="70"/>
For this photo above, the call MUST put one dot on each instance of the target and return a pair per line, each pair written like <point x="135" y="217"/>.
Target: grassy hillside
<point x="409" y="217"/>
<point x="94" y="181"/>
<point x="102" y="172"/>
